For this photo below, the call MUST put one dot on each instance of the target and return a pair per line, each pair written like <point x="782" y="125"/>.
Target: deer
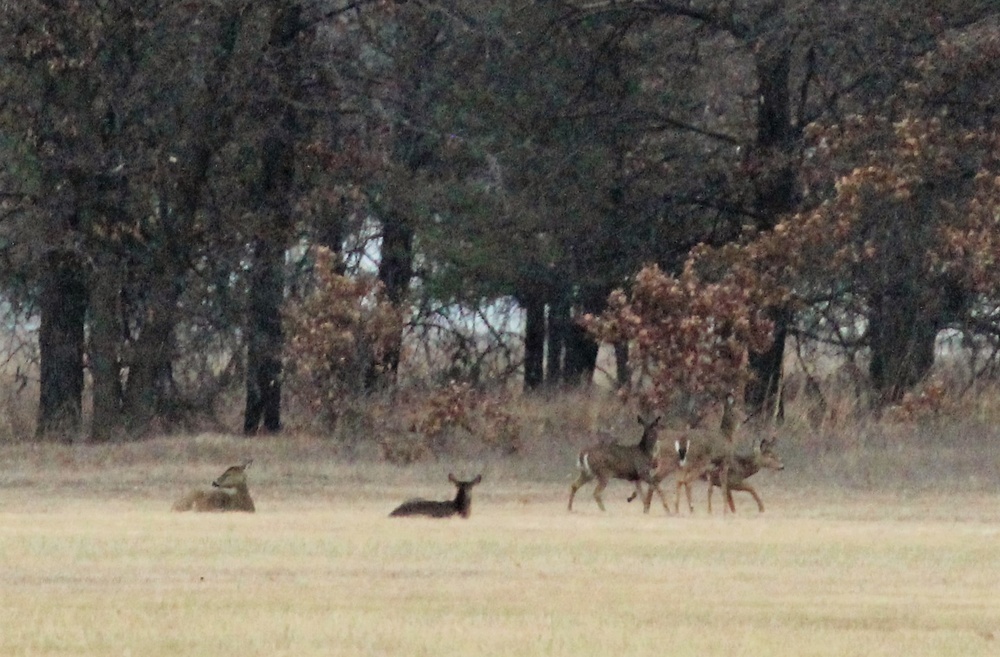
<point x="707" y="452"/>
<point x="607" y="461"/>
<point x="230" y="493"/>
<point x="742" y="468"/>
<point x="460" y="506"/>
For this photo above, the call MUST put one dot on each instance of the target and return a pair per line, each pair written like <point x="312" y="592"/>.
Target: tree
<point x="273" y="196"/>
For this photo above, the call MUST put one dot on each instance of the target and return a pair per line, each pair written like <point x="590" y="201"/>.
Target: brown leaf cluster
<point x="343" y="326"/>
<point x="690" y="336"/>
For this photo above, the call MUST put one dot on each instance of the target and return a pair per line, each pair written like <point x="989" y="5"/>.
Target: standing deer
<point x="705" y="453"/>
<point x="743" y="467"/>
<point x="230" y="494"/>
<point x="634" y="463"/>
<point x="460" y="506"/>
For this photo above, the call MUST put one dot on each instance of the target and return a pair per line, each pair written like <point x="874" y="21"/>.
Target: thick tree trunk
<point x="623" y="371"/>
<point x="273" y="195"/>
<point x="534" y="342"/>
<point x="395" y="271"/>
<point x="581" y="356"/>
<point x="150" y="360"/>
<point x="558" y="323"/>
<point x="105" y="341"/>
<point x="901" y="333"/>
<point x="61" y="343"/>
<point x="265" y="339"/>
<point x="775" y="196"/>
<point x="330" y="233"/>
<point x="763" y="394"/>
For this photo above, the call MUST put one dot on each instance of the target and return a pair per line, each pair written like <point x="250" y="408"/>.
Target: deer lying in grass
<point x="460" y="506"/>
<point x="743" y="467"/>
<point x="607" y="461"/>
<point x="230" y="493"/>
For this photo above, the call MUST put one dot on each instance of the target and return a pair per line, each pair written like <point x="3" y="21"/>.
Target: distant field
<point x="93" y="563"/>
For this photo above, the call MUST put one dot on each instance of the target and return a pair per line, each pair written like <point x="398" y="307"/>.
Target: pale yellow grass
<point x="93" y="563"/>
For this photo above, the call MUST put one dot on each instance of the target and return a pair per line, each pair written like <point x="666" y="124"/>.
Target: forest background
<point x="387" y="219"/>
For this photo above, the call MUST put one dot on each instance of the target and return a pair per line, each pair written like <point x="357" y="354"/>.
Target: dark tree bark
<point x="901" y="334"/>
<point x="105" y="339"/>
<point x="558" y="323"/>
<point x="623" y="371"/>
<point x="265" y="338"/>
<point x="761" y="395"/>
<point x="581" y="356"/>
<point x="330" y="233"/>
<point x="395" y="271"/>
<point x="273" y="197"/>
<point x="534" y="342"/>
<point x="775" y="196"/>
<point x="152" y="352"/>
<point x="61" y="343"/>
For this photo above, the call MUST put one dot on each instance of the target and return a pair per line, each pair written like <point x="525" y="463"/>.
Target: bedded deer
<point x="230" y="493"/>
<point x="460" y="506"/>
<point x="742" y="468"/>
<point x="607" y="461"/>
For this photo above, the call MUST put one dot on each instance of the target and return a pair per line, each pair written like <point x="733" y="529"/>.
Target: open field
<point x="93" y="563"/>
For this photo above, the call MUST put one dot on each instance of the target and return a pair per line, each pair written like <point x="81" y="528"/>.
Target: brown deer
<point x="667" y="462"/>
<point x="460" y="506"/>
<point x="704" y="452"/>
<point x="742" y="468"/>
<point x="230" y="493"/>
<point x="607" y="461"/>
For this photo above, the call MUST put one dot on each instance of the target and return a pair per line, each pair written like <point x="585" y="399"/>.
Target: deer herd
<point x="696" y="454"/>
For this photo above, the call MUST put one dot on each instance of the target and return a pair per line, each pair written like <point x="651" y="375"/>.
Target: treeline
<point x="169" y="170"/>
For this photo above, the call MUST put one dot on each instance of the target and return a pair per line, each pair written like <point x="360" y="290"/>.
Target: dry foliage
<point x="691" y="336"/>
<point x="456" y="412"/>
<point x="336" y="333"/>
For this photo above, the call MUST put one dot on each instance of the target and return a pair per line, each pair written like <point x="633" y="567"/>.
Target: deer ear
<point x="478" y="478"/>
<point x="247" y="464"/>
<point x="451" y="478"/>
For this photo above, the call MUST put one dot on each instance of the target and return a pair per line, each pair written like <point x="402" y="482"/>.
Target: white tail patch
<point x="682" y="451"/>
<point x="585" y="462"/>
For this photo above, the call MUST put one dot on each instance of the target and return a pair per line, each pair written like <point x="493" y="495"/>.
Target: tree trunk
<point x="763" y="394"/>
<point x="581" y="356"/>
<point x="105" y="340"/>
<point x="534" y="342"/>
<point x="330" y="233"/>
<point x="395" y="271"/>
<point x="623" y="371"/>
<point x="265" y="339"/>
<point x="556" y="341"/>
<point x="901" y="333"/>
<point x="273" y="196"/>
<point x="61" y="343"/>
<point x="152" y="351"/>
<point x="775" y="196"/>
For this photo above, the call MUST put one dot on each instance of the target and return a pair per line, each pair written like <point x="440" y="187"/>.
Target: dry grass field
<point x="867" y="550"/>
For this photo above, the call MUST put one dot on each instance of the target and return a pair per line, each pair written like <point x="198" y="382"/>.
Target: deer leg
<point x="711" y="487"/>
<point x="748" y="488"/>
<point x="681" y="482"/>
<point x="732" y="504"/>
<point x="602" y="483"/>
<point x="659" y="491"/>
<point x="724" y="480"/>
<point x="645" y="498"/>
<point x="580" y="481"/>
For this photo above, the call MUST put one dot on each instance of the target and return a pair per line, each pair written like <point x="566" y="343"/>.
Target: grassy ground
<point x="864" y="561"/>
